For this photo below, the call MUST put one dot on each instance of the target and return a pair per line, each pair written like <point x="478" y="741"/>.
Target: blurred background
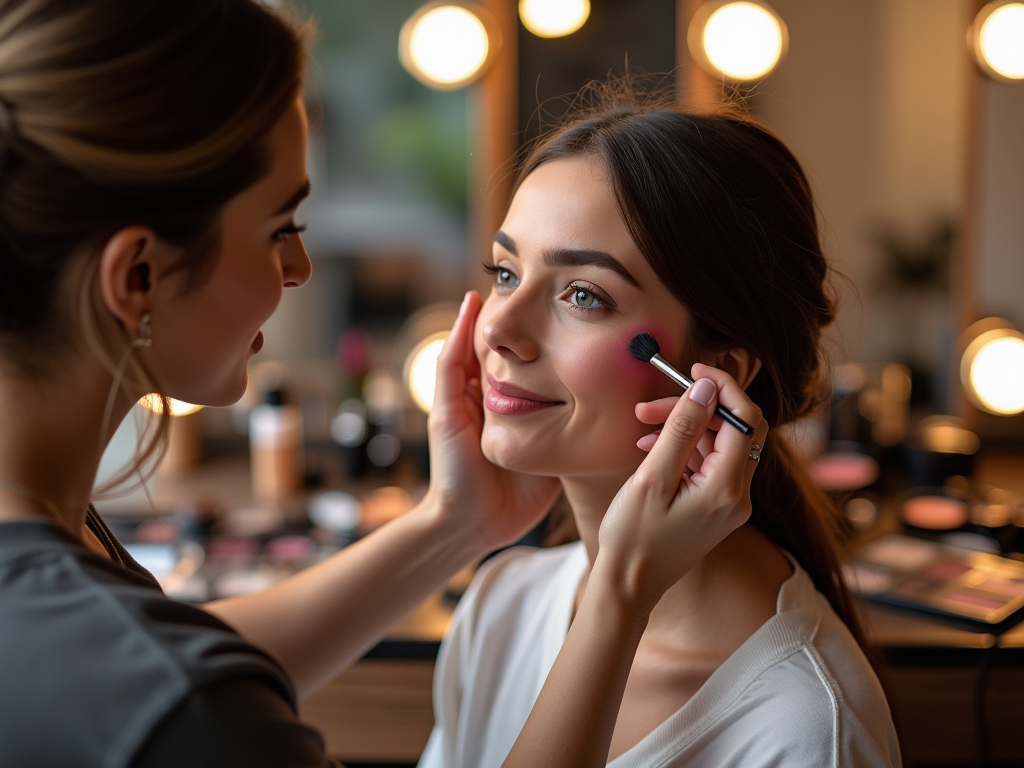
<point x="908" y="116"/>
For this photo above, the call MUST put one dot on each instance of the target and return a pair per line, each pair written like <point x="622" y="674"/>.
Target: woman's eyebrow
<point x="506" y="242"/>
<point x="582" y="257"/>
<point x="573" y="257"/>
<point x="297" y="197"/>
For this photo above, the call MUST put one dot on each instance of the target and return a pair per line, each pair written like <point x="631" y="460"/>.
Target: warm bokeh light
<point x="444" y="46"/>
<point x="421" y="370"/>
<point x="553" y="18"/>
<point x="947" y="434"/>
<point x="744" y="40"/>
<point x="999" y="39"/>
<point x="178" y="407"/>
<point x="997" y="372"/>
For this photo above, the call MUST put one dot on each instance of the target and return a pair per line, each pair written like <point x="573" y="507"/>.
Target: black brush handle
<point x="686" y="382"/>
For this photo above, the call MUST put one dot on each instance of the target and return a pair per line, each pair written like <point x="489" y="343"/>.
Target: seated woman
<point x="701" y="230"/>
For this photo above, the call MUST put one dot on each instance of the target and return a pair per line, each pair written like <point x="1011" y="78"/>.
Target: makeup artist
<point x="152" y="156"/>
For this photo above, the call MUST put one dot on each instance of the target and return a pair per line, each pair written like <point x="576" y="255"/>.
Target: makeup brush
<point x="644" y="348"/>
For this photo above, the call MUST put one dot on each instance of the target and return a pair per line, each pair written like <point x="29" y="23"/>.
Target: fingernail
<point x="465" y="303"/>
<point x="703" y="391"/>
<point x="647" y="442"/>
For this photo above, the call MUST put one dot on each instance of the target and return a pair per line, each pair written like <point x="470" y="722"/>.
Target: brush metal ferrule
<point x="665" y="367"/>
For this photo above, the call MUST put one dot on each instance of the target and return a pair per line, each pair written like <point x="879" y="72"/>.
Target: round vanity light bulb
<point x="444" y="46"/>
<point x="741" y="40"/>
<point x="421" y="370"/>
<point x="178" y="407"/>
<point x="553" y="18"/>
<point x="997" y="373"/>
<point x="999" y="39"/>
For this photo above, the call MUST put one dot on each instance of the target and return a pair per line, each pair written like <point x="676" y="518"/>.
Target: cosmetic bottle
<point x="275" y="441"/>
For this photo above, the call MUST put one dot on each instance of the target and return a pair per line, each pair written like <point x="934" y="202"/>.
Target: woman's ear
<point x="127" y="273"/>
<point x="738" y="363"/>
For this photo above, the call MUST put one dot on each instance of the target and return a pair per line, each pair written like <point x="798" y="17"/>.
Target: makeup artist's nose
<point x="296" y="268"/>
<point x="509" y="331"/>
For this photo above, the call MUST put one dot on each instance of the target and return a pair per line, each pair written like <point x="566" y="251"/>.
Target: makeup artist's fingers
<point x="732" y="446"/>
<point x="660" y="473"/>
<point x="656" y="411"/>
<point x="452" y="367"/>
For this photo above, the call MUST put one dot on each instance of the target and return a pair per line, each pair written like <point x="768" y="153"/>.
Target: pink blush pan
<point x="935" y="513"/>
<point x="844" y="471"/>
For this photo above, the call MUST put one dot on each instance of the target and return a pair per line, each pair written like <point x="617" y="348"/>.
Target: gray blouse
<point x="99" y="668"/>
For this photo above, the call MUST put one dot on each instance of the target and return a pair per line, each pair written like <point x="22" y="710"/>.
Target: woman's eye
<point x="585" y="299"/>
<point x="505" y="278"/>
<point x="282" y="234"/>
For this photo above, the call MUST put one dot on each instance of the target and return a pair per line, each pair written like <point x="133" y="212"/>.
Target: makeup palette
<point x="934" y="511"/>
<point x="844" y="471"/>
<point x="940" y="579"/>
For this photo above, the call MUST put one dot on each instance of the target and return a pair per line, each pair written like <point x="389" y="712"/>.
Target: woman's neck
<point x="52" y="441"/>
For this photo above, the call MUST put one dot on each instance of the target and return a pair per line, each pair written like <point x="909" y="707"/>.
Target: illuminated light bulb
<point x="421" y="370"/>
<point x="445" y="46"/>
<point x="997" y="373"/>
<point x="742" y="40"/>
<point x="178" y="407"/>
<point x="999" y="39"/>
<point x="553" y="18"/>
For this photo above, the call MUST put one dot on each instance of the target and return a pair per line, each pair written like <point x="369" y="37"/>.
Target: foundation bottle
<point x="275" y="442"/>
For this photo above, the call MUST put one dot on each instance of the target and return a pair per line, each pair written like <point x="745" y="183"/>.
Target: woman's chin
<point x="508" y="455"/>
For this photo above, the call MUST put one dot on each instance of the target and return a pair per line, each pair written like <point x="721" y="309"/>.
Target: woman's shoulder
<point x="808" y="675"/>
<point x="519" y="572"/>
<point x="517" y="591"/>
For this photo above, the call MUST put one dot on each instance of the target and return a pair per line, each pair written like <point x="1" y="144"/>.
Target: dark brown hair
<point x="117" y="113"/>
<point x="724" y="214"/>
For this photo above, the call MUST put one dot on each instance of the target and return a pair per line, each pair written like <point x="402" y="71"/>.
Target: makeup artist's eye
<point x="503" y="276"/>
<point x="582" y="297"/>
<point x="290" y="228"/>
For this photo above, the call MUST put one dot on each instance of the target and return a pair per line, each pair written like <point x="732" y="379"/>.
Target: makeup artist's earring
<point x="145" y="338"/>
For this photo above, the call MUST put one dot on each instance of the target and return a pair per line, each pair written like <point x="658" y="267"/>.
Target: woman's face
<point x="570" y="290"/>
<point x="202" y="341"/>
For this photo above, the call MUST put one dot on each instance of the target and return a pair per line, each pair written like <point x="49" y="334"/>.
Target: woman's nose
<point x="296" y="267"/>
<point x="512" y="330"/>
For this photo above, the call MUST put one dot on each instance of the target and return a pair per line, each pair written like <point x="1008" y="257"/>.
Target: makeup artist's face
<point x="203" y="340"/>
<point x="570" y="290"/>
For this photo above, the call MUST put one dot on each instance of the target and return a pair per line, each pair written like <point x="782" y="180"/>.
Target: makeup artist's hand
<point x="691" y="491"/>
<point x="499" y="504"/>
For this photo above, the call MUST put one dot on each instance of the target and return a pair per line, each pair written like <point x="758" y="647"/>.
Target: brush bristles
<point x="643" y="347"/>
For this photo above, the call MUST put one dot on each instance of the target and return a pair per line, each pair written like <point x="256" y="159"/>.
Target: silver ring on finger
<point x="755" y="452"/>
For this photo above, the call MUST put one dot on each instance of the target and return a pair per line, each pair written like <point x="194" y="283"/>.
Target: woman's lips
<point x="257" y="343"/>
<point x="509" y="400"/>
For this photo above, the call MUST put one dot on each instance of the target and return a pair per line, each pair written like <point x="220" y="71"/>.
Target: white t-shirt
<point x="798" y="693"/>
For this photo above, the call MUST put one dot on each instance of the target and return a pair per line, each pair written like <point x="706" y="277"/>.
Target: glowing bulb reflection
<point x="997" y="374"/>
<point x="744" y="41"/>
<point x="1000" y="41"/>
<point x="444" y="46"/>
<point x="421" y="370"/>
<point x="553" y="18"/>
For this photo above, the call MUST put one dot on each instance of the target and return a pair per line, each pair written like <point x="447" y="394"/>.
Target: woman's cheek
<point x="599" y="376"/>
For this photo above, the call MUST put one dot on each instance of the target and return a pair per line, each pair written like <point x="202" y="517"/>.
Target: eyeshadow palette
<point x="928" y="576"/>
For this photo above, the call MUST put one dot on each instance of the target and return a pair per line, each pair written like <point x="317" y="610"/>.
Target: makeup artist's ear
<point x="738" y="363"/>
<point x="127" y="273"/>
